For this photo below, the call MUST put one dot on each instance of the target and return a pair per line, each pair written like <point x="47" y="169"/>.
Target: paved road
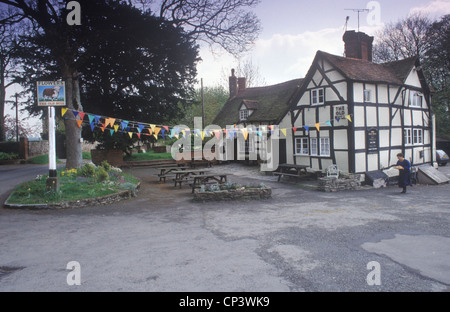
<point x="300" y="240"/>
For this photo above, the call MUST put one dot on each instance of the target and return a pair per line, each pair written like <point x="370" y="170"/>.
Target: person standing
<point x="404" y="166"/>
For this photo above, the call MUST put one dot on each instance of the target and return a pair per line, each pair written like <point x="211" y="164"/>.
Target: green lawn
<point x="72" y="187"/>
<point x="40" y="160"/>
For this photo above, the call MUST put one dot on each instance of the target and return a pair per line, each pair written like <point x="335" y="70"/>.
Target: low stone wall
<point x="352" y="182"/>
<point x="37" y="148"/>
<point x="239" y="194"/>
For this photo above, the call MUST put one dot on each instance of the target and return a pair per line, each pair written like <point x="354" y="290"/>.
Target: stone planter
<point x="238" y="194"/>
<point x="351" y="182"/>
<point x="114" y="157"/>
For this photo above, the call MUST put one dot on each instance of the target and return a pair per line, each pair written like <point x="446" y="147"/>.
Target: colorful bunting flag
<point x="79" y="122"/>
<point x="130" y="134"/>
<point x="81" y="114"/>
<point x="349" y="118"/>
<point x="116" y="127"/>
<point x="283" y="131"/>
<point x="75" y="113"/>
<point x="317" y="126"/>
<point x="295" y="129"/>
<point x="92" y="126"/>
<point x="111" y="131"/>
<point x="63" y="111"/>
<point x="96" y="119"/>
<point x="306" y="128"/>
<point x="140" y="128"/>
<point x="91" y="118"/>
<point x="328" y="122"/>
<point x="124" y="124"/>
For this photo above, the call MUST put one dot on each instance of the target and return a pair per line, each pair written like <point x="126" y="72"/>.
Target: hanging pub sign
<point x="340" y="112"/>
<point x="51" y="93"/>
<point x="372" y="140"/>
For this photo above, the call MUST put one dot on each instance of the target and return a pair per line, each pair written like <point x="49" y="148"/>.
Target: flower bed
<point x="89" y="185"/>
<point x="230" y="191"/>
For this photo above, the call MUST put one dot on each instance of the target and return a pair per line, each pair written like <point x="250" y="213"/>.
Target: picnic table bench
<point x="206" y="179"/>
<point x="183" y="175"/>
<point x="290" y="171"/>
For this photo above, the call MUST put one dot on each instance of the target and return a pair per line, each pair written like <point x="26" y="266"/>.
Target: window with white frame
<point x="367" y="96"/>
<point x="301" y="146"/>
<point x="317" y="96"/>
<point x="417" y="136"/>
<point x="313" y="147"/>
<point x="408" y="136"/>
<point x="324" y="146"/>
<point x="243" y="114"/>
<point x="417" y="99"/>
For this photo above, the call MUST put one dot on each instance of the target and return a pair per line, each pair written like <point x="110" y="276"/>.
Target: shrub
<point x="102" y="175"/>
<point x="8" y="156"/>
<point x="105" y="165"/>
<point x="87" y="170"/>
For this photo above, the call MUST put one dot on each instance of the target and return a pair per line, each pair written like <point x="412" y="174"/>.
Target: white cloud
<point x="434" y="9"/>
<point x="281" y="57"/>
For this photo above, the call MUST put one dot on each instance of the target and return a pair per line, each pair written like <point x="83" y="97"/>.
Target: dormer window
<point x="243" y="114"/>
<point x="317" y="96"/>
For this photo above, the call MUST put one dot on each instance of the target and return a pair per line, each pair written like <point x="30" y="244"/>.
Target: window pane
<point x="313" y="146"/>
<point x="325" y="146"/>
<point x="314" y="96"/>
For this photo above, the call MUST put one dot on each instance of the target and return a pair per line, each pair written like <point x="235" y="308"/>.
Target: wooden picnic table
<point x="183" y="175"/>
<point x="164" y="171"/>
<point x="204" y="179"/>
<point x="290" y="170"/>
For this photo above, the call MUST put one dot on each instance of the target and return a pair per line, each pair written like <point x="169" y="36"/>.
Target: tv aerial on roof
<point x="355" y="10"/>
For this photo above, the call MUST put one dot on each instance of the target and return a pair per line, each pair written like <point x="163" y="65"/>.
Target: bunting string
<point x="139" y="129"/>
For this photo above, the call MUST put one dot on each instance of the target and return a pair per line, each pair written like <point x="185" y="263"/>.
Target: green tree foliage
<point x="214" y="99"/>
<point x="437" y="68"/>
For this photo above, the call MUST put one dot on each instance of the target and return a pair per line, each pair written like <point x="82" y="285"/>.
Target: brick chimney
<point x="242" y="84"/>
<point x="233" y="81"/>
<point x="358" y="45"/>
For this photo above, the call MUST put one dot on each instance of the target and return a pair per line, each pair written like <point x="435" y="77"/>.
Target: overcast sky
<point x="293" y="31"/>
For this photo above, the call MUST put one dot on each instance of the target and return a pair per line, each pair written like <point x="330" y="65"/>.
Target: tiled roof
<point x="361" y="70"/>
<point x="272" y="101"/>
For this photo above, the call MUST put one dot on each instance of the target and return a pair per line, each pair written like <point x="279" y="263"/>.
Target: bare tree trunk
<point x="73" y="133"/>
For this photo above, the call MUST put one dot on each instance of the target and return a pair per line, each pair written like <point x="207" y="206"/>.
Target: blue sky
<point x="293" y="31"/>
